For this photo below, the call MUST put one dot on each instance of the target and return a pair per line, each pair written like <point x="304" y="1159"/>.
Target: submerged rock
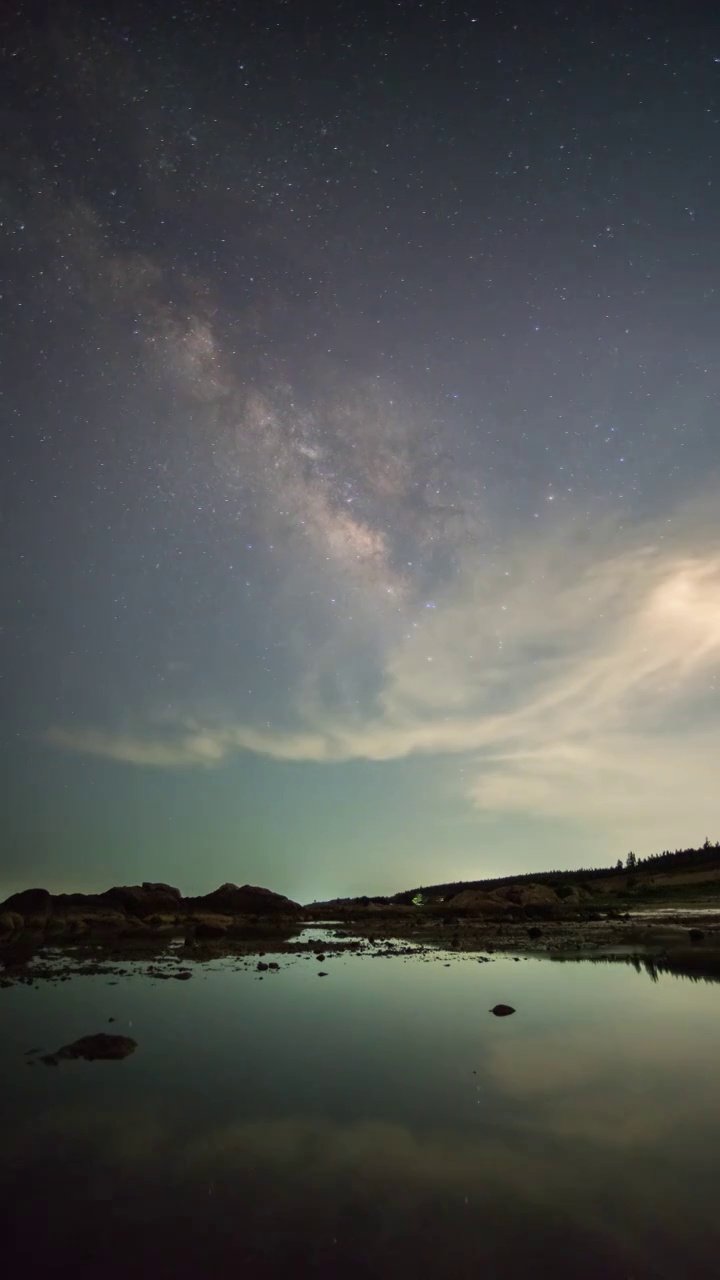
<point x="502" y="1010"/>
<point x="99" y="1048"/>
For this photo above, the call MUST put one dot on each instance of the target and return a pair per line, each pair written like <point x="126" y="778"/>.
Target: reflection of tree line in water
<point x="696" y="967"/>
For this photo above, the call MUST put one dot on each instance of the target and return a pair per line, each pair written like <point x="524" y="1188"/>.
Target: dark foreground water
<point x="377" y="1122"/>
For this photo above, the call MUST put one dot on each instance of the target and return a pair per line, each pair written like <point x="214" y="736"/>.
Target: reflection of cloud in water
<point x="552" y="1183"/>
<point x="578" y="1086"/>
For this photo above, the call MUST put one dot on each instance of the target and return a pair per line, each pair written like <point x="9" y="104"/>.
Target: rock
<point x="101" y="921"/>
<point x="101" y="1047"/>
<point x="19" y="951"/>
<point x="568" y="893"/>
<point x="206" y="929"/>
<point x="167" y="889"/>
<point x="141" y="900"/>
<point x="502" y="1010"/>
<point x="161" y="920"/>
<point x="36" y="903"/>
<point x="76" y="927"/>
<point x="247" y="900"/>
<point x="273" y="965"/>
<point x="261" y="966"/>
<point x="475" y="902"/>
<point x="320" y="958"/>
<point x="531" y="895"/>
<point x="322" y="974"/>
<point x="696" y="935"/>
<point x="182" y="976"/>
<point x="11" y="922"/>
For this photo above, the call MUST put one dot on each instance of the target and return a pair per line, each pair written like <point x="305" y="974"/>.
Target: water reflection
<point x="694" y="964"/>
<point x="378" y="1123"/>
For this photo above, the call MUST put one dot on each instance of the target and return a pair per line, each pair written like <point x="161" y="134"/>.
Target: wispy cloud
<point x="576" y="673"/>
<point x="578" y="680"/>
<point x="191" y="749"/>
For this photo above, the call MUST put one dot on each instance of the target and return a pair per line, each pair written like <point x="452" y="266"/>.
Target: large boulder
<point x="10" y="922"/>
<point x="569" y="893"/>
<point x="141" y="900"/>
<point x="167" y="889"/>
<point x="246" y="900"/>
<point x="35" y="905"/>
<point x="161" y="920"/>
<point x="528" y="895"/>
<point x="207" y="929"/>
<point x="475" y="902"/>
<point x="538" y="895"/>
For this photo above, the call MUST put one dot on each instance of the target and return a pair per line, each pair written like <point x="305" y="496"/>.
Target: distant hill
<point x="671" y="873"/>
<point x="668" y="868"/>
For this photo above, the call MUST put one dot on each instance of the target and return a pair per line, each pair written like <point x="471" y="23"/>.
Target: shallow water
<point x="376" y="1122"/>
<point x="674" y="911"/>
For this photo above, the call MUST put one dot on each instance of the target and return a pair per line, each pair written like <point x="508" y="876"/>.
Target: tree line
<point x="705" y="856"/>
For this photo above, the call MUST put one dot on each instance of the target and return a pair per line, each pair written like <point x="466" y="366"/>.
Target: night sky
<point x="360" y="441"/>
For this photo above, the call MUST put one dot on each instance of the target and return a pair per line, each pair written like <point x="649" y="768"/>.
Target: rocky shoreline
<point x="141" y="910"/>
<point x="677" y="946"/>
<point x="153" y="930"/>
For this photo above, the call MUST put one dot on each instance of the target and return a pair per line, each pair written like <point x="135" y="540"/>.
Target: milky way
<point x="361" y="444"/>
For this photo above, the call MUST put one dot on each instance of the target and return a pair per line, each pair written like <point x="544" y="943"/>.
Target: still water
<point x="376" y="1122"/>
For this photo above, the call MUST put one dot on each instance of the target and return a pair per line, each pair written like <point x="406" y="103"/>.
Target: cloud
<point x="387" y="1158"/>
<point x="501" y="1181"/>
<point x="578" y="676"/>
<point x="567" y="1084"/>
<point x="193" y="749"/>
<point x="575" y="671"/>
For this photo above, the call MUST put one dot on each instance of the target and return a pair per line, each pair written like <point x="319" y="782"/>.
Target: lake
<point x="375" y="1122"/>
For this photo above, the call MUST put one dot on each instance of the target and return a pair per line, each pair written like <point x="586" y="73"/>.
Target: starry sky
<point x="360" y="441"/>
